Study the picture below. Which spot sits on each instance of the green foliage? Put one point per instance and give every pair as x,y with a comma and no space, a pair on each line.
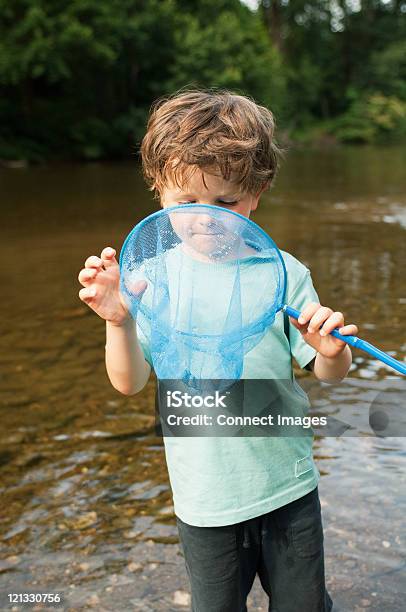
77,77
94,137
47,39
305,80
387,70
228,53
372,118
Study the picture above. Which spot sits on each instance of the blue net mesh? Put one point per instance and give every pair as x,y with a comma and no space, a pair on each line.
214,282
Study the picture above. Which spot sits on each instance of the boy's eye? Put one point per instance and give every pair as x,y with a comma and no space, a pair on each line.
219,201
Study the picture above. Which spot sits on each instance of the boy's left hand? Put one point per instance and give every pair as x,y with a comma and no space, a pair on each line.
314,316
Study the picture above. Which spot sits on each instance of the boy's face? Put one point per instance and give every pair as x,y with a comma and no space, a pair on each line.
201,235
218,192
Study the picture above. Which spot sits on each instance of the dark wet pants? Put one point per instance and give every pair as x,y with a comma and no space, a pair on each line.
285,548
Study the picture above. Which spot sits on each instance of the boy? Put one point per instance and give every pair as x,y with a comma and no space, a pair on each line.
243,505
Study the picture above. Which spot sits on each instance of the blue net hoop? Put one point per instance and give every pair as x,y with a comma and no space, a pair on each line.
214,283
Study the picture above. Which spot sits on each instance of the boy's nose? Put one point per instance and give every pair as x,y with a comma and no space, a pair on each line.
207,223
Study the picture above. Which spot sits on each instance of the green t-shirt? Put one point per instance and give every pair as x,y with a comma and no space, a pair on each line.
225,480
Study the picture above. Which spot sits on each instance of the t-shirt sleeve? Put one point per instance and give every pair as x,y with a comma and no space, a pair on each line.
302,294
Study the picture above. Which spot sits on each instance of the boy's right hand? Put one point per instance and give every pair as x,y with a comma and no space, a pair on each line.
101,281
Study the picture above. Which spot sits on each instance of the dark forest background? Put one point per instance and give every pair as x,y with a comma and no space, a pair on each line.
78,77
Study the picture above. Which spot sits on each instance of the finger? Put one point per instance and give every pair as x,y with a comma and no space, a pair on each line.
334,320
301,328
87,294
297,325
93,262
308,312
321,315
87,275
349,330
108,257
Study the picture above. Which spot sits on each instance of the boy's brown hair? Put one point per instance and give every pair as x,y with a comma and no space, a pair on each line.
209,129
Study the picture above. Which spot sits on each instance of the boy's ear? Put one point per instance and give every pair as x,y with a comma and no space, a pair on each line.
264,187
259,193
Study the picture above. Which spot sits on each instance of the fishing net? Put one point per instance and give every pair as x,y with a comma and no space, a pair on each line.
215,281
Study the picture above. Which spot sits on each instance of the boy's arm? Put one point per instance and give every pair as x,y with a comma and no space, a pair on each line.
328,368
126,365
333,369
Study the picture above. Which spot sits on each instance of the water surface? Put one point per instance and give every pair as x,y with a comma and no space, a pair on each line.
85,500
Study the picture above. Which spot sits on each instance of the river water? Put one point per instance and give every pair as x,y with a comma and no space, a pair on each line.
85,502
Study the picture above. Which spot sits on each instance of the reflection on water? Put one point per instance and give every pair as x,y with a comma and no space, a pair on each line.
85,501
